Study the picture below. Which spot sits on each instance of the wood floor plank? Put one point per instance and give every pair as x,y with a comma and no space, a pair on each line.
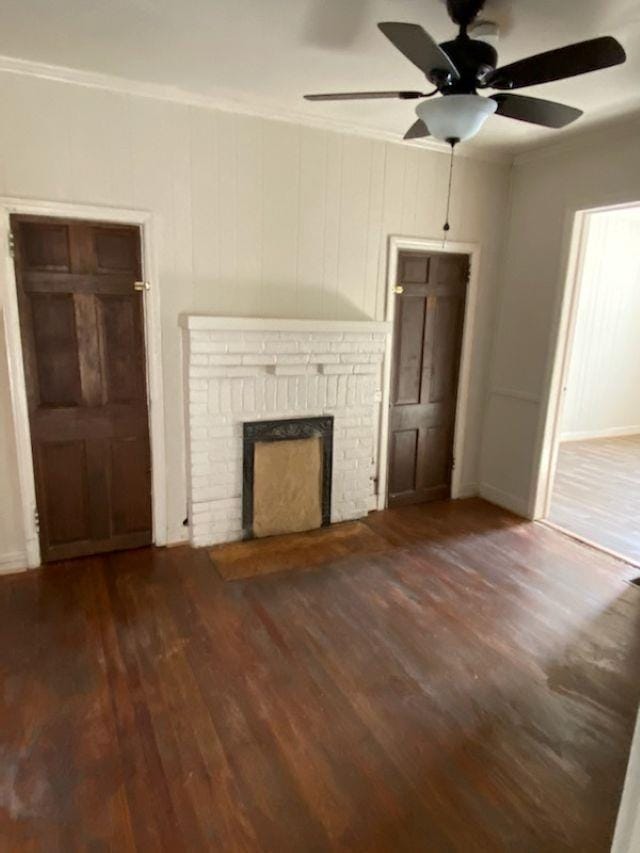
596,492
470,687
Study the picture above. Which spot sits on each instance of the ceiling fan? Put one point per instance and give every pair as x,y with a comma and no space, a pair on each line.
458,68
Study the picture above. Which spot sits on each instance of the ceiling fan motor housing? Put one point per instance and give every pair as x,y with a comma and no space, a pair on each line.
463,12
473,59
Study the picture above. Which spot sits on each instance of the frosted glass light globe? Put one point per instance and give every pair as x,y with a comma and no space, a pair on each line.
455,116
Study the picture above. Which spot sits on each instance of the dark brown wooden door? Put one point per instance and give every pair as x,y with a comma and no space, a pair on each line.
83,342
429,317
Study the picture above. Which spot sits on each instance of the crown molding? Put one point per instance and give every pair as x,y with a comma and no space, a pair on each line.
594,135
601,134
230,104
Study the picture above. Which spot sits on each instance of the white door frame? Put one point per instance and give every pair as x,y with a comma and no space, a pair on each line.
575,243
419,244
626,838
153,342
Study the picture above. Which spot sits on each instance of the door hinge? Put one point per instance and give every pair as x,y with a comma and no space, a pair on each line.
36,520
453,462
12,244
141,285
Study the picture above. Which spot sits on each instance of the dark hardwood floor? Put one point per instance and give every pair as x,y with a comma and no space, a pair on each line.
473,688
596,492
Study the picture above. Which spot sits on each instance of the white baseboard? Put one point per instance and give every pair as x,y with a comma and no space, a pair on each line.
505,499
610,432
177,536
13,561
467,490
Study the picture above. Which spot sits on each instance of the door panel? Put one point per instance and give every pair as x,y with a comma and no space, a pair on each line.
404,449
121,362
56,350
129,466
438,455
446,343
82,331
414,269
408,365
429,320
46,247
63,474
115,251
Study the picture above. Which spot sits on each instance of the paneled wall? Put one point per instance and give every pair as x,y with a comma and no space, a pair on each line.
256,217
603,385
603,168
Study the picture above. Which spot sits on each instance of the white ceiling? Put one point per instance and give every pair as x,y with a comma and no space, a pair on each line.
267,53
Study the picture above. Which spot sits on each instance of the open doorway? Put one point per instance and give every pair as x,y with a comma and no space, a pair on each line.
594,484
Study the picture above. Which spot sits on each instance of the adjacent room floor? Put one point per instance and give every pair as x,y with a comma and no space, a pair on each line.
596,492
471,688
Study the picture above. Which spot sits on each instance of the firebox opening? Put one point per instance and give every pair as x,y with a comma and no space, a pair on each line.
287,476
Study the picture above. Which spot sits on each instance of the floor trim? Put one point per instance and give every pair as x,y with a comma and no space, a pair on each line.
13,561
589,542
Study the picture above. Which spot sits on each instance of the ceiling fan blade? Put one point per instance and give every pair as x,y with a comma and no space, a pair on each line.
418,46
354,96
569,61
417,130
535,110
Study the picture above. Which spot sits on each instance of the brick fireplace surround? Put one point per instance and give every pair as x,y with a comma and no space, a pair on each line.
248,369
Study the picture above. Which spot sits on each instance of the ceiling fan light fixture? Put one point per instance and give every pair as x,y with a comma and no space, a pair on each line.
455,117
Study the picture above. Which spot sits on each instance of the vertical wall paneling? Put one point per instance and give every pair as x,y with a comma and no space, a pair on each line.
227,232
248,214
603,384
354,216
311,221
333,209
375,261
251,216
206,203
280,226
100,130
548,187
35,135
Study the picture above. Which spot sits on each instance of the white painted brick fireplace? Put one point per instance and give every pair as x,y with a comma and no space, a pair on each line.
249,369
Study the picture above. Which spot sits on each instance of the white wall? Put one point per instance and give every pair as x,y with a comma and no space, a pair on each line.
255,217
626,838
11,537
601,169
603,383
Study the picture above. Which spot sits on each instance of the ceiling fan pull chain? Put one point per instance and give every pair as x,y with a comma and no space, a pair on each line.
447,227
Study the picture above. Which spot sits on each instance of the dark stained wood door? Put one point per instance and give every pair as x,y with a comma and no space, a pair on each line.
83,343
429,316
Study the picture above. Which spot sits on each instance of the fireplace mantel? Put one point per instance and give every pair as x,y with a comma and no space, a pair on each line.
244,369
208,322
